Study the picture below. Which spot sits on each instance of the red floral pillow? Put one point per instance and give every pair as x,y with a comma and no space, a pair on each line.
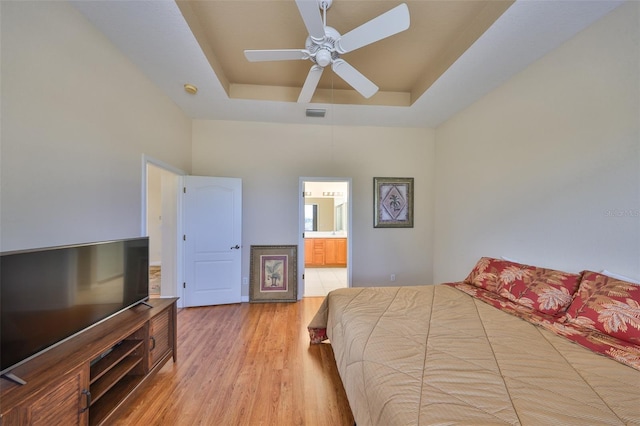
483,274
609,305
489,271
545,290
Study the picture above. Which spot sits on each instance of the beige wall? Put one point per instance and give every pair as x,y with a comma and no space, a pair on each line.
270,159
77,117
546,169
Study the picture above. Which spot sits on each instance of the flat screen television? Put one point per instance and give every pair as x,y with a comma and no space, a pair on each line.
51,294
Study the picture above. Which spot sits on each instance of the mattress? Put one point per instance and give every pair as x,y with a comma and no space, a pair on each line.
429,355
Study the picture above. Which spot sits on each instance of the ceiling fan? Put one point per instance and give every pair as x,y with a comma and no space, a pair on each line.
325,45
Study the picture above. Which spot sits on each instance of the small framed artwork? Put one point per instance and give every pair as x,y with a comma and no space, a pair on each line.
273,274
393,202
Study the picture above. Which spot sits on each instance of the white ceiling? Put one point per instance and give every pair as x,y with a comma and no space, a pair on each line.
157,38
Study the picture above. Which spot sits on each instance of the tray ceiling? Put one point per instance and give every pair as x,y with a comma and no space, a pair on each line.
454,52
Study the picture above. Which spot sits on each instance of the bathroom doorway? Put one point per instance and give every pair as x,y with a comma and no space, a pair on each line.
325,229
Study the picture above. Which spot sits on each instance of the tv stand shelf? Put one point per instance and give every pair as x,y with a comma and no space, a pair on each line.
104,364
87,379
113,376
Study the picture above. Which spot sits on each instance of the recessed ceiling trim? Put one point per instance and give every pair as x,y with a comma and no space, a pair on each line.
329,96
263,93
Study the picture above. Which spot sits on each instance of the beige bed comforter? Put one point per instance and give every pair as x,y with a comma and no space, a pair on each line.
435,355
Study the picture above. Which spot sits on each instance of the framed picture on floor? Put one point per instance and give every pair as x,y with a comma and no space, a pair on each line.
393,202
273,274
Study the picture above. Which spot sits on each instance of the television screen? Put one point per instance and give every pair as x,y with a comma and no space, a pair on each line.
48,295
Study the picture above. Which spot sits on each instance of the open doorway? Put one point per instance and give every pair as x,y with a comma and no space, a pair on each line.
160,223
325,227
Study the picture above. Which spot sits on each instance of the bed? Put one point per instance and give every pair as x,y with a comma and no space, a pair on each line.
512,344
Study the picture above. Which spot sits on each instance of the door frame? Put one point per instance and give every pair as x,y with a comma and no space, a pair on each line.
177,226
301,268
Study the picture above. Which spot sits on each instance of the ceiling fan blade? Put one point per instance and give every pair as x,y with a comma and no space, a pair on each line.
355,78
310,84
385,25
276,55
310,12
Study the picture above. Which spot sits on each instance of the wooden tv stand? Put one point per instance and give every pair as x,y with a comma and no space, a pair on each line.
88,378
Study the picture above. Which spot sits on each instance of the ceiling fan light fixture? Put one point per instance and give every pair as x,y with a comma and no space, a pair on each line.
323,57
316,112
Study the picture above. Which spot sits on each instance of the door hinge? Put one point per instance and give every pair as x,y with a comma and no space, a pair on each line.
184,237
303,276
184,285
184,189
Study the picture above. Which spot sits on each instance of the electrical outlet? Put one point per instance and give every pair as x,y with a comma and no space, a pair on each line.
392,277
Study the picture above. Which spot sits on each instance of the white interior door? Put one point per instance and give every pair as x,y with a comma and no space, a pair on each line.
212,240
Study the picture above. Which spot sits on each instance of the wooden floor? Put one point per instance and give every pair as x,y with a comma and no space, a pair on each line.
245,364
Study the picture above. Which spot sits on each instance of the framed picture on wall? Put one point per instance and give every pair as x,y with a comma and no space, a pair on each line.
393,202
273,274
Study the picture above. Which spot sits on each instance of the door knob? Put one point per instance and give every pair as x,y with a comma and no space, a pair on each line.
236,247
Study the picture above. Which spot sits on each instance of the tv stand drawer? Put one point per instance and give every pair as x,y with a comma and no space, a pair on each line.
160,338
63,402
